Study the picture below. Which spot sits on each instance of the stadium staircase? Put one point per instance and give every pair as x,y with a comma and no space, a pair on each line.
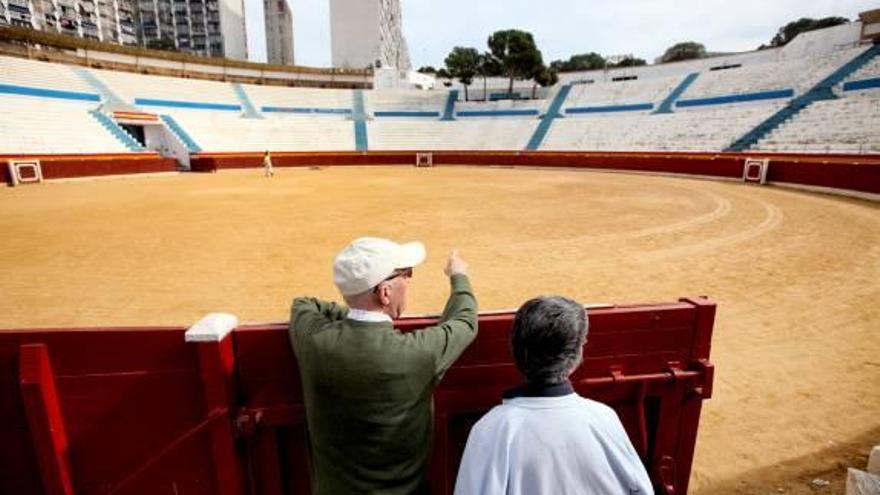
547,119
117,131
449,109
824,90
359,116
666,105
107,94
250,111
181,134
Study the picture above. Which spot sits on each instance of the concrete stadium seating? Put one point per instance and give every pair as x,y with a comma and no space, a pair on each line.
688,130
27,125
646,114
472,134
799,75
602,93
844,125
132,87
227,131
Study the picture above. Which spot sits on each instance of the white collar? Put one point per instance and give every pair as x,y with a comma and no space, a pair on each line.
369,316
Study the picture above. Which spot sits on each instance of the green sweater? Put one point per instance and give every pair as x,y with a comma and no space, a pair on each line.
368,391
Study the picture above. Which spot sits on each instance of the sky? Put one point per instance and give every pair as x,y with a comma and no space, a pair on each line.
643,28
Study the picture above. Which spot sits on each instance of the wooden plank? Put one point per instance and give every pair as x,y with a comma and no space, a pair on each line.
45,419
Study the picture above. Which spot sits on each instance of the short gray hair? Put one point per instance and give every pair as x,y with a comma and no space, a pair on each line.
548,337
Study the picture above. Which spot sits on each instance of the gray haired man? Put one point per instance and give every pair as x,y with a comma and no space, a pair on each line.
545,438
368,387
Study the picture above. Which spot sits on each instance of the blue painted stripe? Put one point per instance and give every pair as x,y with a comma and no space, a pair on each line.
187,104
739,98
405,113
12,89
118,132
359,117
334,111
872,83
611,108
505,96
547,120
449,108
666,104
497,113
245,100
181,133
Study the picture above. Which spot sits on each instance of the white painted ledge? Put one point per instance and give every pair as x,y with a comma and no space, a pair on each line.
214,327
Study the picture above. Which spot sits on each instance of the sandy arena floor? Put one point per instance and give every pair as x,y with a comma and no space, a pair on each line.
796,276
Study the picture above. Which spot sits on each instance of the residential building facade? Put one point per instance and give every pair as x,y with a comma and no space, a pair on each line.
367,33
279,32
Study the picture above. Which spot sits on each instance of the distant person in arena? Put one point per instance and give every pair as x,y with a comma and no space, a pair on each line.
368,387
545,438
268,170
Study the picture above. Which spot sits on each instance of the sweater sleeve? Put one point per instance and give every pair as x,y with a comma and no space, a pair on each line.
307,313
457,327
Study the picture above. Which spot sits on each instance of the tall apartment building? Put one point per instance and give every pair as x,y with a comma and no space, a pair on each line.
103,20
367,33
213,28
279,32
202,27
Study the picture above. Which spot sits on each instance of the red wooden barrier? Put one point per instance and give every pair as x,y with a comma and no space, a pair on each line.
139,411
70,166
860,173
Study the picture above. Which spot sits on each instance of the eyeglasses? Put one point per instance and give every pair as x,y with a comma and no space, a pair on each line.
401,272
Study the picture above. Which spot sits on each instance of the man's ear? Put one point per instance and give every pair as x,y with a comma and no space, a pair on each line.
385,294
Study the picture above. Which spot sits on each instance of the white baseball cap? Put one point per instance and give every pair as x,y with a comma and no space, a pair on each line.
368,261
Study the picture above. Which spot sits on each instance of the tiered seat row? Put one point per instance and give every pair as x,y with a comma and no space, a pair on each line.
798,75
136,87
472,134
30,73
652,90
27,126
844,125
221,131
703,130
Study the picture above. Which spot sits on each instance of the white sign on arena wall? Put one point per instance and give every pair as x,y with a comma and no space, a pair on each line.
755,170
424,159
25,171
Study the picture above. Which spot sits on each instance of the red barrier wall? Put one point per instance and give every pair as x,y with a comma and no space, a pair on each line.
143,412
860,173
70,166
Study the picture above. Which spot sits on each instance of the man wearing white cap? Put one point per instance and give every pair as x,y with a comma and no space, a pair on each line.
368,387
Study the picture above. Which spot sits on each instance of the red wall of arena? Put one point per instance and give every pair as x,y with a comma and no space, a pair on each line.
71,166
846,172
858,173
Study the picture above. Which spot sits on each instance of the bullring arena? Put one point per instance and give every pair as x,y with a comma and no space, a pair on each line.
726,205
793,274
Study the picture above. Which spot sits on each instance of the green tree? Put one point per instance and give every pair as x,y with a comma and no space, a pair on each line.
629,62
427,69
444,74
792,29
582,61
463,64
544,76
489,67
687,50
517,52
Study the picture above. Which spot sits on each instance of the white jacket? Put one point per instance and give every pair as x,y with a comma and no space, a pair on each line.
553,445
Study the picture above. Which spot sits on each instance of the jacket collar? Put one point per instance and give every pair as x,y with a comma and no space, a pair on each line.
540,390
